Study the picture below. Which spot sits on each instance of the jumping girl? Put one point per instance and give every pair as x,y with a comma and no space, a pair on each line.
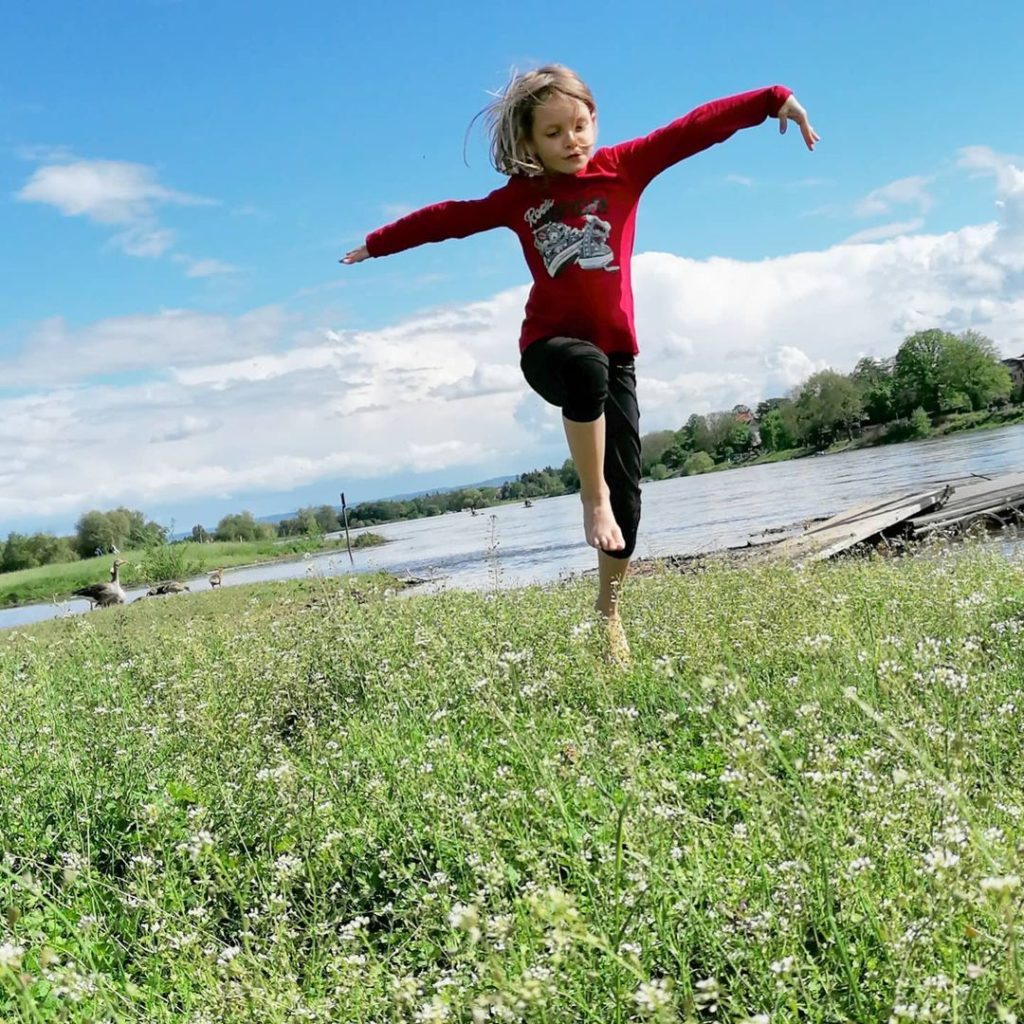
574,211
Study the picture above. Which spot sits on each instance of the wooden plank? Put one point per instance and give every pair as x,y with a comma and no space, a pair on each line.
877,507
988,510
842,531
978,502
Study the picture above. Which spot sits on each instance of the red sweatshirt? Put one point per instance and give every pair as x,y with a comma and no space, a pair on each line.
577,230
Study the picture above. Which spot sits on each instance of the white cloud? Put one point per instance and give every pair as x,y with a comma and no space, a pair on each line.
739,179
1009,177
117,194
182,427
791,366
883,231
55,355
897,193
210,268
144,239
220,405
105,191
486,379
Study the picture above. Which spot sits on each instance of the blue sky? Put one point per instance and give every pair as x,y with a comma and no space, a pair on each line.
179,180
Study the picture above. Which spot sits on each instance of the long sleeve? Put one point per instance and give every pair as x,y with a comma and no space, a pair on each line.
451,219
642,159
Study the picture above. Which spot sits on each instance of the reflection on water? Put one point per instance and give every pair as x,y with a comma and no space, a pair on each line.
513,546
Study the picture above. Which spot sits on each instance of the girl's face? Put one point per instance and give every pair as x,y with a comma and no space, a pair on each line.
563,134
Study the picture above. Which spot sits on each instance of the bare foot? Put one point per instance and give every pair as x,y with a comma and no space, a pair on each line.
600,528
617,651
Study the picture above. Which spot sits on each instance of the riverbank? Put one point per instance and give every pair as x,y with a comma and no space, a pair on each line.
146,566
446,807
875,437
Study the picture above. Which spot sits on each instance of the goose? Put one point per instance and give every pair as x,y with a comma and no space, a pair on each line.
172,587
217,577
104,594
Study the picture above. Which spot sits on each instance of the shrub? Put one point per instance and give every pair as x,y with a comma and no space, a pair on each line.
919,425
698,462
168,562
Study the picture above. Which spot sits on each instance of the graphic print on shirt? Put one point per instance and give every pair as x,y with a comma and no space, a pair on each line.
561,244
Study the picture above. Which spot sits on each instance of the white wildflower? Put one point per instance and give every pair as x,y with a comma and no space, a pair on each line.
652,997
10,955
466,918
1000,886
708,994
938,860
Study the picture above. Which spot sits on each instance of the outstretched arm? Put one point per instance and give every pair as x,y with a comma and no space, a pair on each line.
452,219
706,125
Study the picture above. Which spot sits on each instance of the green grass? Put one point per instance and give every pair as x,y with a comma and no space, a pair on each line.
150,565
321,801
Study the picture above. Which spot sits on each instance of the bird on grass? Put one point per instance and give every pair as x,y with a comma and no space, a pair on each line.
171,587
104,594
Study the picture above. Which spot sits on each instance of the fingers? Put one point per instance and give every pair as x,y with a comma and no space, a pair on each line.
355,256
809,134
783,122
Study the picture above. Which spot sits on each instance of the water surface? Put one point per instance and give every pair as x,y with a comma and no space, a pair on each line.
513,546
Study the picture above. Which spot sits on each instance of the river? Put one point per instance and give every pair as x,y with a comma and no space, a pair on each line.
511,545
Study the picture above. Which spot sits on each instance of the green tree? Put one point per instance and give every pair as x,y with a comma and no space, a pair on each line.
18,554
970,366
243,526
778,427
873,379
917,371
653,446
94,532
826,403
200,534
740,439
119,528
51,550
327,519
569,477
697,435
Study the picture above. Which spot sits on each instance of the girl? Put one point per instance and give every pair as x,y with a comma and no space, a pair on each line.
574,211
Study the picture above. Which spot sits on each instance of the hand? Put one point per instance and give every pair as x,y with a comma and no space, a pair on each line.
791,110
356,255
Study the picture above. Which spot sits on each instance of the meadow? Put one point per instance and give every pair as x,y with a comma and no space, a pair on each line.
160,562
326,800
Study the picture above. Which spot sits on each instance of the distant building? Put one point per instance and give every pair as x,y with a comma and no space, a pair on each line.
1016,367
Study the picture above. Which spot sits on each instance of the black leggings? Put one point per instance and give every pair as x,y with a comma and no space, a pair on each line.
584,382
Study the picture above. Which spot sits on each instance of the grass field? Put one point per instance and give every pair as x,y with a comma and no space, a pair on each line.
321,801
160,562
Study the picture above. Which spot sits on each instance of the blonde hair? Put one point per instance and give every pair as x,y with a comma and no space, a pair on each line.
509,117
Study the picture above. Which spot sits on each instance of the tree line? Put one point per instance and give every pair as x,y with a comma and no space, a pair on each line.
933,373
538,483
